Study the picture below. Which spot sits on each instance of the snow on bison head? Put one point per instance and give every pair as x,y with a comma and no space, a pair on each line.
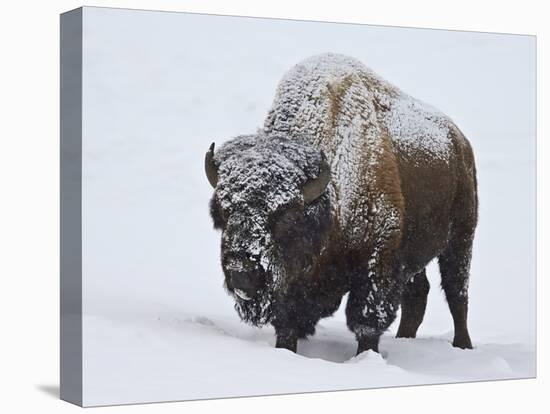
271,206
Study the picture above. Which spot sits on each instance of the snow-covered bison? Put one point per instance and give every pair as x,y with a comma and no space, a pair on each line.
350,186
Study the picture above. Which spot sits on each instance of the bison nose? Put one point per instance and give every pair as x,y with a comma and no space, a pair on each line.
245,284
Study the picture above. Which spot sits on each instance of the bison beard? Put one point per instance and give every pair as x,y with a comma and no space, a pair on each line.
351,186
258,310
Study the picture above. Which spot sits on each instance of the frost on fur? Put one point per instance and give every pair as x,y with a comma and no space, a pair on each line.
401,191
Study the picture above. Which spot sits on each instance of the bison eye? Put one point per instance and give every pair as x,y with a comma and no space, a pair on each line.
217,215
286,220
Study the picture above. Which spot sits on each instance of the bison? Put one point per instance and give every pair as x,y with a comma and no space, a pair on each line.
351,186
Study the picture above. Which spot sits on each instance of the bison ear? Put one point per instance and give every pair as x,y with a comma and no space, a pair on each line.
314,188
210,167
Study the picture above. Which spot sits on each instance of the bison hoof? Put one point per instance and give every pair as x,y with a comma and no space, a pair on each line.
463,343
287,343
405,333
367,344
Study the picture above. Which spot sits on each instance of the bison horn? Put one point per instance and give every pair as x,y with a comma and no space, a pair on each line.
314,188
210,167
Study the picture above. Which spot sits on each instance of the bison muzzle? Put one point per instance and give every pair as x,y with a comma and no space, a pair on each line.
351,186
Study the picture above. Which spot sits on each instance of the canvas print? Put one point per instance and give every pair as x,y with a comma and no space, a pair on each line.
258,206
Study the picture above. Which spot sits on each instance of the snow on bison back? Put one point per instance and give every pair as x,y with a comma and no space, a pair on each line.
351,186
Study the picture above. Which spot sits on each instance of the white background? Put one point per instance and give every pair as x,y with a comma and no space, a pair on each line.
30,174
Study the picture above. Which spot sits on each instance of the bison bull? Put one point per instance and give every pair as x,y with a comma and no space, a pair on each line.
351,186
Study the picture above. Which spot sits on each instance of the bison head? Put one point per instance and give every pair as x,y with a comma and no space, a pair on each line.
271,205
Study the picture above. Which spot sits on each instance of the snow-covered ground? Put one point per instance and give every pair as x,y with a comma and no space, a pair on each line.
159,87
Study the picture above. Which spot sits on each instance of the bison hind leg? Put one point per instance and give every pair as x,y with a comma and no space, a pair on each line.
454,266
413,305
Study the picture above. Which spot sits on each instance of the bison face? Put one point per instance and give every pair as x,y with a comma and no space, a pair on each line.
271,205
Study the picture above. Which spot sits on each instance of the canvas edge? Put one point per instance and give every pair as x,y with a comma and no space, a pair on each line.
71,389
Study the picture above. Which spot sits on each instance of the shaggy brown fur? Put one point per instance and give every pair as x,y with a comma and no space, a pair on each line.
402,192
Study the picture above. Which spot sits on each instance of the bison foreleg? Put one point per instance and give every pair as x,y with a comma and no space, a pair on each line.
287,339
371,308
